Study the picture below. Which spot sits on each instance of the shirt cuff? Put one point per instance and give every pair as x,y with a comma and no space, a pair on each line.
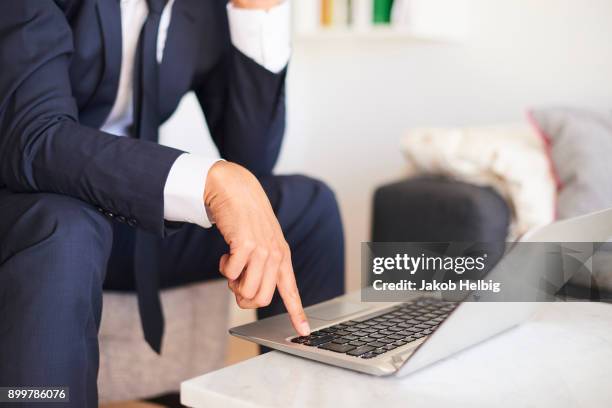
184,190
262,35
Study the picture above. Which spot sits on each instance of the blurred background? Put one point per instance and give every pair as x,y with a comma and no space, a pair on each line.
382,93
353,91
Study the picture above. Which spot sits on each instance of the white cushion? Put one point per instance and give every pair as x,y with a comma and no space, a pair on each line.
511,159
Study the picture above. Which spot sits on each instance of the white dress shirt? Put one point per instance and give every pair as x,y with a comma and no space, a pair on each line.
261,35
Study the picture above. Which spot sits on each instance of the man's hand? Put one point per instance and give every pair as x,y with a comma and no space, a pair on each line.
259,259
256,4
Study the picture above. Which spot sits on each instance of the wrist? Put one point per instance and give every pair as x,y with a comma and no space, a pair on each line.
224,176
213,178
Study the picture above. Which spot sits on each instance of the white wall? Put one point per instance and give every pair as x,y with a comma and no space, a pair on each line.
350,101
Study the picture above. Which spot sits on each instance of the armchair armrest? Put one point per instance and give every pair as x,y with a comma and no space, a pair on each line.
431,209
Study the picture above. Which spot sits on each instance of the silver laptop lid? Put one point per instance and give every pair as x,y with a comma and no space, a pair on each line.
593,227
472,322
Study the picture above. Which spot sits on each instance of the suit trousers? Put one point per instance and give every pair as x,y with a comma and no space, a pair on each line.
58,254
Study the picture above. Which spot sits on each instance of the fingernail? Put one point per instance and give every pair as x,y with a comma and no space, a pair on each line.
304,328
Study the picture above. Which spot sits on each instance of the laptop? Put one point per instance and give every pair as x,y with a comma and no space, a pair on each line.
400,338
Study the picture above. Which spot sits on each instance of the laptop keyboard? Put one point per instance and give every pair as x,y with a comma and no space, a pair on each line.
383,332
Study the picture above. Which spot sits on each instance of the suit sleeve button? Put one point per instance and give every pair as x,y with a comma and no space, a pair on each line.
120,218
132,222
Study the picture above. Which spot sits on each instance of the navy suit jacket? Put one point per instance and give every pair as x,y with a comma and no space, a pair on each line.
59,72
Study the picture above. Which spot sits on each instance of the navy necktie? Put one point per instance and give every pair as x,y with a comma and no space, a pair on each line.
146,123
146,76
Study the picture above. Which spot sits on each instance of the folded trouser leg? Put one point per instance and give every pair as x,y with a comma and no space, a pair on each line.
53,255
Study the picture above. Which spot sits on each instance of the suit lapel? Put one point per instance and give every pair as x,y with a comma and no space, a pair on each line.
109,15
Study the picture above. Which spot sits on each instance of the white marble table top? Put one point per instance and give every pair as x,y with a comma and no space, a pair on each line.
560,358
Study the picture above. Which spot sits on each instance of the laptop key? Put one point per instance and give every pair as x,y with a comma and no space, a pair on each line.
351,337
340,340
395,337
316,341
390,347
386,341
379,351
328,330
300,340
399,343
367,339
369,355
376,344
376,335
369,331
357,343
338,348
360,350
341,333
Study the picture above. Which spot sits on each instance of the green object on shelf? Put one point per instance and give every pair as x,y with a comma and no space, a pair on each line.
382,11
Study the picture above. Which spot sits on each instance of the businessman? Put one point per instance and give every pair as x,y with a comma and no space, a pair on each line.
90,200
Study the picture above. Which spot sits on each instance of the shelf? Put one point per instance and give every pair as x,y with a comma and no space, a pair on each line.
370,33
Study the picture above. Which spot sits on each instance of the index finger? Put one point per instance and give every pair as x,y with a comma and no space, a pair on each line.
287,288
